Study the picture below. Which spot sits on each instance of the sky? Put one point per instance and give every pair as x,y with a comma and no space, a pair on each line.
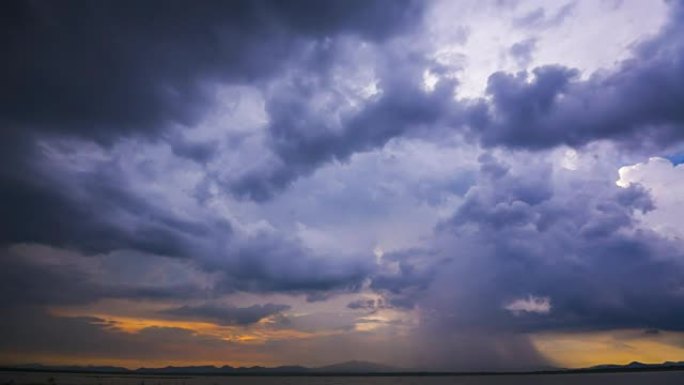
444,185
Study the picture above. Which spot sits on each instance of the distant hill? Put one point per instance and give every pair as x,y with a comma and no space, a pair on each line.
204,369
636,365
221,370
358,367
345,368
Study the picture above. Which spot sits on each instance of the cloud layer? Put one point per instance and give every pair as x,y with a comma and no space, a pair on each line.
250,177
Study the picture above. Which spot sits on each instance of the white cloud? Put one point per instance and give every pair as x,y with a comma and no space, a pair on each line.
531,304
474,37
570,160
665,182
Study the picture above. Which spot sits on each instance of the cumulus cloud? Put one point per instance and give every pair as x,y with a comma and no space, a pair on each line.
99,71
636,103
157,75
530,304
103,169
535,228
313,121
534,239
663,180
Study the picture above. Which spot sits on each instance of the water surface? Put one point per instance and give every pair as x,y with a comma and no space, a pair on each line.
644,378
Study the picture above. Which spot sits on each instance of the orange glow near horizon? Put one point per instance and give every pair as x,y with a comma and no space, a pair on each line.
256,333
132,363
570,350
134,325
230,354
579,350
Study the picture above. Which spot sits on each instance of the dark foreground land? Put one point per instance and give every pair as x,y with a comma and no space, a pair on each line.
663,377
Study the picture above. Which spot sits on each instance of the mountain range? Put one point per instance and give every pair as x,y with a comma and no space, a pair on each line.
350,367
345,367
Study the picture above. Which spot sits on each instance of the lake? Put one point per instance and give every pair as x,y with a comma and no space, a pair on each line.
45,378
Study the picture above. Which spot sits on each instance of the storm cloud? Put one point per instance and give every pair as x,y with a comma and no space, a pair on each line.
271,180
83,76
637,103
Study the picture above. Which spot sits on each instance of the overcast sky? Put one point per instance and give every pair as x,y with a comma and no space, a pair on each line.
456,184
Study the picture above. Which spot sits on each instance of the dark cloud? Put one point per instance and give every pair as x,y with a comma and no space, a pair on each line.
304,135
369,304
30,330
267,263
100,70
200,152
518,103
638,103
108,70
86,214
416,269
23,282
365,304
522,51
43,276
227,314
95,212
79,74
272,263
581,247
529,233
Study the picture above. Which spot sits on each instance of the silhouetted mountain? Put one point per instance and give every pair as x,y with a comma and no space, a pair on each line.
635,365
357,367
204,369
350,367
346,367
